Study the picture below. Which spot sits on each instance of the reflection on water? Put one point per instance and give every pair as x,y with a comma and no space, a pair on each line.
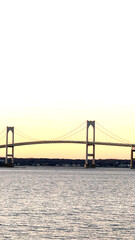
67,203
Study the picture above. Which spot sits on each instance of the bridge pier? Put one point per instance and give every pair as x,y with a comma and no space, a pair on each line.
87,160
11,154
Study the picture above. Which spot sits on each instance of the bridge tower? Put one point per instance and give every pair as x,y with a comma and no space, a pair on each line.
11,154
132,157
87,164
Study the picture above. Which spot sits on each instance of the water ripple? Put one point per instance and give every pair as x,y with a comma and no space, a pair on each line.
67,203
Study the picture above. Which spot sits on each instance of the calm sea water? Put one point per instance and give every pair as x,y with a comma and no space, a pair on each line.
67,203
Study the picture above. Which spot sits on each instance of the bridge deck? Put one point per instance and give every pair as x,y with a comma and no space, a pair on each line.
67,141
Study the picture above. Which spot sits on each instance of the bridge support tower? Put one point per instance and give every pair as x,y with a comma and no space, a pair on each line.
132,158
10,155
87,161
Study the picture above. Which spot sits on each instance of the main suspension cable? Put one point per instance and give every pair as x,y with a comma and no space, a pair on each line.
114,136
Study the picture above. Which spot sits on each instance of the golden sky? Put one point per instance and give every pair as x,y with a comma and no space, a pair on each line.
63,62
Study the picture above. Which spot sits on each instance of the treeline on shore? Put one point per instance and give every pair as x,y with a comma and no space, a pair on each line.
67,162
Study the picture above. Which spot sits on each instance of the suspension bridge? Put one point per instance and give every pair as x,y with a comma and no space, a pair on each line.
89,140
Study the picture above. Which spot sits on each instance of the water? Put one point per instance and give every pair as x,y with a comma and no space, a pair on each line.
67,203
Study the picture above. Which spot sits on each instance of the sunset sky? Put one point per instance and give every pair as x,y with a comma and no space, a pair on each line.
63,62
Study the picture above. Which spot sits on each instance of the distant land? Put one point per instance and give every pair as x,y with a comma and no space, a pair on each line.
67,162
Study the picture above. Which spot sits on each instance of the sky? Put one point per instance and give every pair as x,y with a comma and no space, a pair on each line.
65,62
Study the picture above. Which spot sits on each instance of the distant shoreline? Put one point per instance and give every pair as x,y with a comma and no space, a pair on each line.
67,162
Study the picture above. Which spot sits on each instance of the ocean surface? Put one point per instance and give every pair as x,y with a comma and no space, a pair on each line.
67,203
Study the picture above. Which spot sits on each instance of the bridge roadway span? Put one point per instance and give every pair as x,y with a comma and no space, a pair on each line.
67,141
